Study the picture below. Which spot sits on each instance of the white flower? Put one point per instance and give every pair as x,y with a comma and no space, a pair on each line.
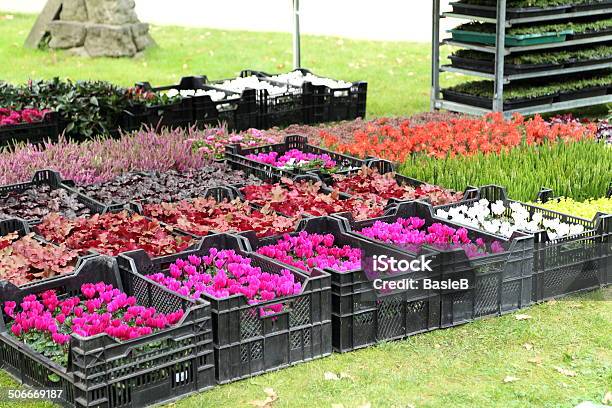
576,229
172,93
483,202
551,223
551,235
537,218
563,229
498,207
442,214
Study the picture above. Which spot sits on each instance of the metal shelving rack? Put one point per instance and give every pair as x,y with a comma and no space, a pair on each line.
500,52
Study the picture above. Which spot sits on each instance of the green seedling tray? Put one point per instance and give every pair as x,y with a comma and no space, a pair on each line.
511,40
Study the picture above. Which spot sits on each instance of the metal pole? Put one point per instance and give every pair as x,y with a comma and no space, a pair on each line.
435,55
297,52
500,55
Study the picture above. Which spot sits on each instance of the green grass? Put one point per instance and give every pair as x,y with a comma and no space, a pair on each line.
398,73
459,367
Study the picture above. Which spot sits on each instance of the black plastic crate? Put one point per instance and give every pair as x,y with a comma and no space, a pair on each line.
104,372
499,283
54,180
565,265
172,115
35,133
361,315
238,111
325,104
237,153
246,344
489,66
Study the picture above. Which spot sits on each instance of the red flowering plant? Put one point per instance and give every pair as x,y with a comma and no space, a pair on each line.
9,117
457,137
113,233
294,198
204,215
369,182
46,323
24,260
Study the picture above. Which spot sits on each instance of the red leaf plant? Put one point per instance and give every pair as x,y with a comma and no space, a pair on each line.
294,198
369,181
113,233
203,215
24,260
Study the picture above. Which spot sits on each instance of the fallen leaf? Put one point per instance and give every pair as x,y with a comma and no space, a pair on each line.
271,396
366,405
607,399
522,317
552,301
528,346
565,371
535,360
329,376
437,346
345,375
337,406
510,378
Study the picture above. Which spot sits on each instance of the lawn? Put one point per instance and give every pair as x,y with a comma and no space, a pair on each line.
398,73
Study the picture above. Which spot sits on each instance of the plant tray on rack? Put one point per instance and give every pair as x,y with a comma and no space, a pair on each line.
590,34
511,13
487,103
489,66
582,93
511,40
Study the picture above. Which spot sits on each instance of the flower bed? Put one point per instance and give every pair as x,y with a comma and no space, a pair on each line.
203,216
457,137
167,187
102,160
65,332
294,198
369,181
265,327
113,233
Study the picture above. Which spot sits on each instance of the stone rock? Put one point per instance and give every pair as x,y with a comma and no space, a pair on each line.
142,39
78,52
73,10
113,12
109,41
67,34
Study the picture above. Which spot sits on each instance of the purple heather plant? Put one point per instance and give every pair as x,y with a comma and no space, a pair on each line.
101,160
